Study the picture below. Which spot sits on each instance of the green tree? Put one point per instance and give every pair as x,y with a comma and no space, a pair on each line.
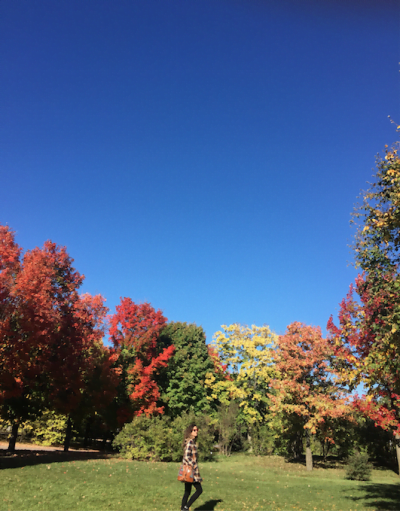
182,381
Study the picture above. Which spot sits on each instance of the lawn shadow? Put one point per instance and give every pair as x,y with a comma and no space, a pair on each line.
28,457
210,505
381,496
336,462
318,461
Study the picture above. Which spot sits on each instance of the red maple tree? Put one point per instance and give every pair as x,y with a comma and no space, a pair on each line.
134,332
46,330
10,265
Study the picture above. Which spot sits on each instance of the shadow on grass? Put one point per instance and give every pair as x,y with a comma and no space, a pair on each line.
28,457
383,497
319,461
335,462
210,505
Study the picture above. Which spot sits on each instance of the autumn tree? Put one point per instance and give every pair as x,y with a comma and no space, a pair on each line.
182,381
377,218
367,339
366,346
134,333
46,329
100,383
307,384
10,266
91,366
247,353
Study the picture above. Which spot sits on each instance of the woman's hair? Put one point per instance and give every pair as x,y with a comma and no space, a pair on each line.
187,434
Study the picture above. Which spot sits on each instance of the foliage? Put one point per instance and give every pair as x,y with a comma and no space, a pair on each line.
367,340
46,330
219,368
288,433
366,347
377,239
248,354
160,438
101,380
144,439
358,467
307,380
134,332
346,435
181,382
227,426
262,440
48,429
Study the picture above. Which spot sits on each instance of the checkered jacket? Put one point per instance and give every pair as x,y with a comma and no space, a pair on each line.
190,457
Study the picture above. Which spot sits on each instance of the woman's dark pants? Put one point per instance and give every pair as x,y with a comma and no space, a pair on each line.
196,494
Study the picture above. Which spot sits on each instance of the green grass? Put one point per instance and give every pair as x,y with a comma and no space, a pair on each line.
237,483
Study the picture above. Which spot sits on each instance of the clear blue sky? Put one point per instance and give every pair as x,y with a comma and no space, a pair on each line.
201,155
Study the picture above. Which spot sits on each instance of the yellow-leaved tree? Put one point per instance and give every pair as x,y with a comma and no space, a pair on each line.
248,354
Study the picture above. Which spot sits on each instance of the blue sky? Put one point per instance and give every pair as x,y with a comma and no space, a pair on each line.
201,155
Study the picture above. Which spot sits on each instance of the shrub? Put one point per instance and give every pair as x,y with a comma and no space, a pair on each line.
48,429
160,439
136,439
358,467
227,427
262,440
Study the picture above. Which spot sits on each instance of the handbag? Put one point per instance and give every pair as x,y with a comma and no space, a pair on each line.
185,474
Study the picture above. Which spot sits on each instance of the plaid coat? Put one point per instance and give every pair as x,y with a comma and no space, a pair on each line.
190,458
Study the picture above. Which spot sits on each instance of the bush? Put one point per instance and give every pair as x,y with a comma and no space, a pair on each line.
227,426
48,429
141,439
160,439
262,440
358,467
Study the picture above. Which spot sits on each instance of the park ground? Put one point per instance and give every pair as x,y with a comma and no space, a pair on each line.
47,479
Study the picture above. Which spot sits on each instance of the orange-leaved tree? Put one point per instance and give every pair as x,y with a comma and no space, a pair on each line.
307,385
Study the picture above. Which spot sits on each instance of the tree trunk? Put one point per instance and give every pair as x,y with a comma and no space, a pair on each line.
309,460
87,433
397,441
13,437
68,433
250,442
325,449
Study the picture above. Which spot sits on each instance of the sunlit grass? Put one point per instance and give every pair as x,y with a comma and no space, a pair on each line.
237,483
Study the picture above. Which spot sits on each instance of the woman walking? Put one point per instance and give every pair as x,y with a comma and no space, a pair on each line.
190,458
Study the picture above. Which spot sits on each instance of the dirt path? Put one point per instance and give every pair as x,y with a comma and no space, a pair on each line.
31,454
33,447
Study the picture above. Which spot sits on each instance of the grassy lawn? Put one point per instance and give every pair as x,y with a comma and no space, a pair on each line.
49,482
